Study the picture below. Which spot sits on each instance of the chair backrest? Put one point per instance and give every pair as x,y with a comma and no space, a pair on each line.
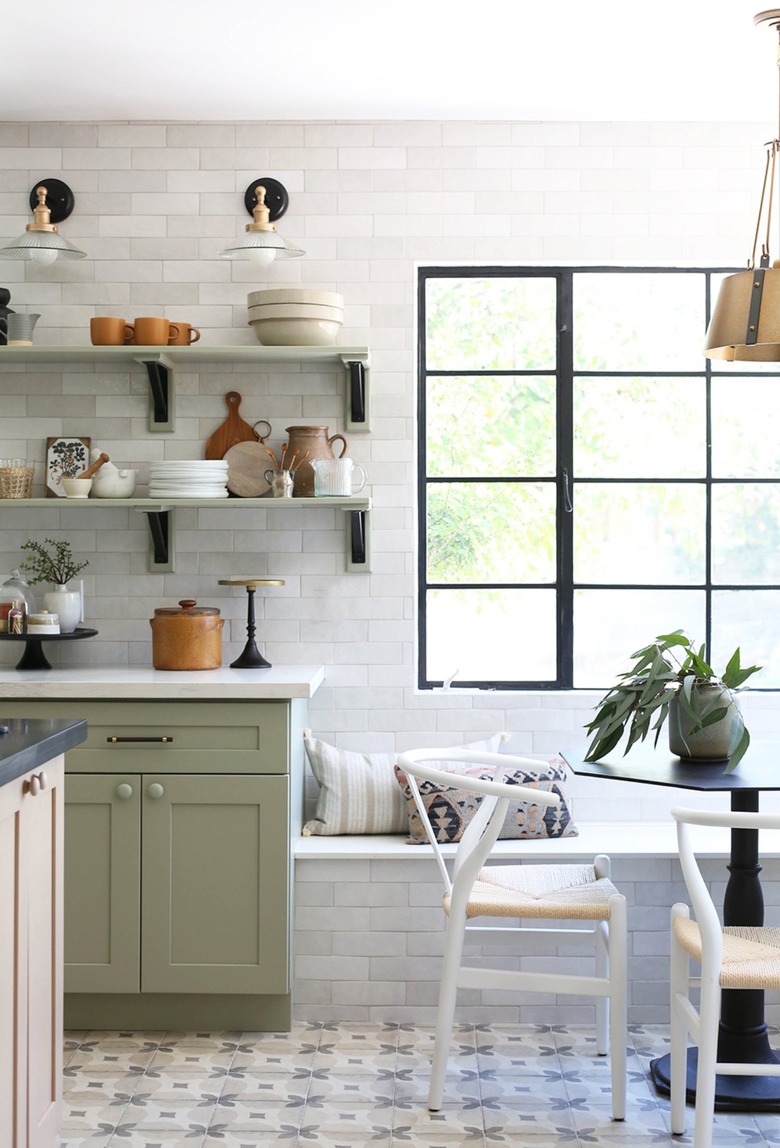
704,909
482,831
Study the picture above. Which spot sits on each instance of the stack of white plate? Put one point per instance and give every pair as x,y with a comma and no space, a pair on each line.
190,478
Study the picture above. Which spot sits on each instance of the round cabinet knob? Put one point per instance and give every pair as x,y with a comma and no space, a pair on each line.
124,791
155,791
33,786
43,780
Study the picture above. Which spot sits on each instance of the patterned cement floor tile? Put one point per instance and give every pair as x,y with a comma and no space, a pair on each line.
355,1085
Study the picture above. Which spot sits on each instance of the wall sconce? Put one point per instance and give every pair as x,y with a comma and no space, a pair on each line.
266,200
51,201
745,323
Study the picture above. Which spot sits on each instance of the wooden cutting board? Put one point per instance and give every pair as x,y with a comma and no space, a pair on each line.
233,430
247,462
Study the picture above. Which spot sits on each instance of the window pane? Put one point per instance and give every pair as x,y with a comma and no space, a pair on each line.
490,426
749,619
639,533
610,625
746,533
745,431
639,428
491,532
499,323
649,322
491,635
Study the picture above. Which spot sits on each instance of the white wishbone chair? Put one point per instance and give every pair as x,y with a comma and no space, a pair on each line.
731,957
524,892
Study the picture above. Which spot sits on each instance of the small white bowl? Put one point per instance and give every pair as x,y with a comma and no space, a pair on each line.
77,487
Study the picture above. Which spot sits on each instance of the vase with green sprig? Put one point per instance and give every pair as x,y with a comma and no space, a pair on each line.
53,561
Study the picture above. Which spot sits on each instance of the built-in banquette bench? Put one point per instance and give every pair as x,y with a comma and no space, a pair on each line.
369,923
369,926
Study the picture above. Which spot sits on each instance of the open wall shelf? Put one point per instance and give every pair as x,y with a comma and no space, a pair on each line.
160,515
160,364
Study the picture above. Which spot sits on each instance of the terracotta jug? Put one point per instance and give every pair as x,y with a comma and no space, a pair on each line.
313,442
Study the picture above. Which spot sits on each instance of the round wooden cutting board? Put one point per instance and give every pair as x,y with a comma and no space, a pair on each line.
246,463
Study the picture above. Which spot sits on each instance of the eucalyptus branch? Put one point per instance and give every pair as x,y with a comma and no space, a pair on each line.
57,566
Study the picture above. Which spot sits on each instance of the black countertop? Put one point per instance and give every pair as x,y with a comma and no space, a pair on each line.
31,742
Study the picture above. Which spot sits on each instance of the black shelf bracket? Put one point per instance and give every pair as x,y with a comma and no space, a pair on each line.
357,406
358,556
161,555
160,374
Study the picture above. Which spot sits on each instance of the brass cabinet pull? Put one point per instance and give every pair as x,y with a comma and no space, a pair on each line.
114,740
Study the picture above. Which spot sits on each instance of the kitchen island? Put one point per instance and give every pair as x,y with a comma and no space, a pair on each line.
31,811
181,808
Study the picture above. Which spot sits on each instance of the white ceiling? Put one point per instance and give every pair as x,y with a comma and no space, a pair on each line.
212,60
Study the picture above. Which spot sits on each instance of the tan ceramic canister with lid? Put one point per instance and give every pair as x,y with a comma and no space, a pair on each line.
310,443
187,637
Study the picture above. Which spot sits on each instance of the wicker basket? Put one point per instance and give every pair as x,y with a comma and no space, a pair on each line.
16,481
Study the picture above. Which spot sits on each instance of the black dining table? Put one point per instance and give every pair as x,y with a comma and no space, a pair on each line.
743,1032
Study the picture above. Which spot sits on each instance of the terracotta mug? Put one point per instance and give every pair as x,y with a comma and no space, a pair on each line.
151,331
184,336
107,331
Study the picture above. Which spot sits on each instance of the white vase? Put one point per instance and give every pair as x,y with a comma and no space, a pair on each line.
67,604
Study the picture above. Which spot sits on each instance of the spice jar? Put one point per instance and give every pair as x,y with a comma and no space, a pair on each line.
17,617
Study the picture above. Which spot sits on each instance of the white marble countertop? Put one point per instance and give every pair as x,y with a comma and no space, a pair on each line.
139,682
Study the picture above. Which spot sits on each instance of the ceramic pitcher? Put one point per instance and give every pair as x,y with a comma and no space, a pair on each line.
311,443
20,328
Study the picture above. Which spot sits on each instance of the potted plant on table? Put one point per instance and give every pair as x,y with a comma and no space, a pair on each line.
57,566
671,679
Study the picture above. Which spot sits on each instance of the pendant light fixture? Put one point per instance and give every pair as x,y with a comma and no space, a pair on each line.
266,200
51,201
745,323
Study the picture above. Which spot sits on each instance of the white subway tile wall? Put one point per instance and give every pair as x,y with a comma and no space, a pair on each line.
155,203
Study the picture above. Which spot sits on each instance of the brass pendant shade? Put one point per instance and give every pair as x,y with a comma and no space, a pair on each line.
745,322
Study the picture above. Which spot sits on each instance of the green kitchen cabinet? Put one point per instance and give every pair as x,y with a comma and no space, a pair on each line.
178,826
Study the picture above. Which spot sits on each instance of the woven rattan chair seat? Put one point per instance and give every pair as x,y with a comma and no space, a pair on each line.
562,892
751,956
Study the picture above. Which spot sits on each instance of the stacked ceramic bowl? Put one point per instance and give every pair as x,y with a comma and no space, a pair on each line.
295,316
191,478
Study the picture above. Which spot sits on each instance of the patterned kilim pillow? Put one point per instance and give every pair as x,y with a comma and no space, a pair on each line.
450,810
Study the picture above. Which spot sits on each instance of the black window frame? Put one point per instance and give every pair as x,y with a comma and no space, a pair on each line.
564,374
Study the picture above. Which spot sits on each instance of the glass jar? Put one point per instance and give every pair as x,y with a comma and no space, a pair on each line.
12,590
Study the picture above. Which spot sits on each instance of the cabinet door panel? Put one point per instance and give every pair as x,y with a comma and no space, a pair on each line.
43,829
215,884
102,883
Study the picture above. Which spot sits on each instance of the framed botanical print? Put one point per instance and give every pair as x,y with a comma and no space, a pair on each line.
66,457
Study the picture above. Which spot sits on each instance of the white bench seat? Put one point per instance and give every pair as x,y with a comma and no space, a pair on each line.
647,839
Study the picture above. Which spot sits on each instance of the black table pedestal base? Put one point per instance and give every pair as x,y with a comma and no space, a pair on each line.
732,1093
